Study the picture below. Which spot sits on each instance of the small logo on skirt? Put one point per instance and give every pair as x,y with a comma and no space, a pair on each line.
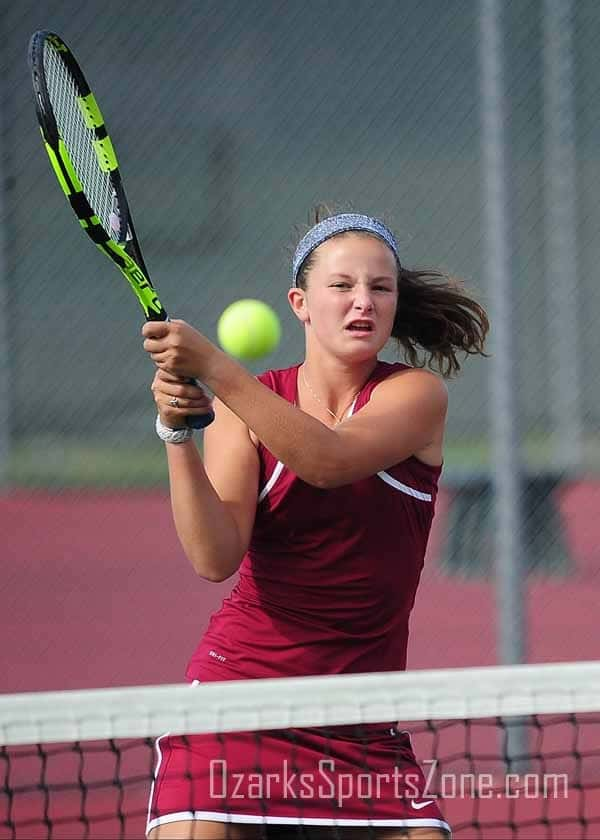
217,656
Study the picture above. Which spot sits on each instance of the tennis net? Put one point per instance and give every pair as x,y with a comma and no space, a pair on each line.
506,751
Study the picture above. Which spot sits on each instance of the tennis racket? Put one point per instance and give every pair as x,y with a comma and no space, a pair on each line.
84,162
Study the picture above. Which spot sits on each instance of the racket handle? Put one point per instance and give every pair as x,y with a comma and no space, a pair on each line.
199,421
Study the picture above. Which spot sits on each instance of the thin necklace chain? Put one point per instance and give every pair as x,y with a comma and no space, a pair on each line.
320,401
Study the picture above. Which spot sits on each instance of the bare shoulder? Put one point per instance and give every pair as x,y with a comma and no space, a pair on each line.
415,401
412,384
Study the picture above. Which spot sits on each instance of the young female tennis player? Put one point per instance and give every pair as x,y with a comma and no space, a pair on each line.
318,484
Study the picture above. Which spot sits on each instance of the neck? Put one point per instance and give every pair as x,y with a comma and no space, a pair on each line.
333,384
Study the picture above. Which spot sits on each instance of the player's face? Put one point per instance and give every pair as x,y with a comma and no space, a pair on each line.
352,294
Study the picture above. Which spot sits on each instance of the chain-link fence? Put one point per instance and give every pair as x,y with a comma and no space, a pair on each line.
231,119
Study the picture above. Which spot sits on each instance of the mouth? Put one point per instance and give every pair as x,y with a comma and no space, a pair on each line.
361,326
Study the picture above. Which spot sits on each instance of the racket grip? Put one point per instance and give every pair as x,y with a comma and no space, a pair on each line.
199,421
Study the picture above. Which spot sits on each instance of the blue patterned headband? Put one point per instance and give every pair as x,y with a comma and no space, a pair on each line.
340,224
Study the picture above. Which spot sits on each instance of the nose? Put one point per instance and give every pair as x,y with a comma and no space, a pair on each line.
362,299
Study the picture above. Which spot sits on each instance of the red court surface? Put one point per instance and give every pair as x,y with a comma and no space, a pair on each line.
95,591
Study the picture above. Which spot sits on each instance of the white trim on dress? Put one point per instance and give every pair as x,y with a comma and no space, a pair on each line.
384,476
221,816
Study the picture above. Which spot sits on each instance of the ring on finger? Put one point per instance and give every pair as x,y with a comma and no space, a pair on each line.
174,402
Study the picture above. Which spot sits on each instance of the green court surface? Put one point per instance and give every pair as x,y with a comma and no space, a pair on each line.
71,463
67,462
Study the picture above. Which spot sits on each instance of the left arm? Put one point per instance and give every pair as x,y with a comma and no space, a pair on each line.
401,418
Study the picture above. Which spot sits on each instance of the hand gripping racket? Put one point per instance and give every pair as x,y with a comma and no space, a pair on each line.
84,161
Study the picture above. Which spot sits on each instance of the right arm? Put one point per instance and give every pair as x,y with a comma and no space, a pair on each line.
213,501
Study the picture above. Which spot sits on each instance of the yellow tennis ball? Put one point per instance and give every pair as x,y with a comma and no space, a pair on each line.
248,329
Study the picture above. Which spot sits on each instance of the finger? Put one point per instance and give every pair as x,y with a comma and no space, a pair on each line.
188,390
167,377
155,329
184,405
160,358
182,380
154,345
195,395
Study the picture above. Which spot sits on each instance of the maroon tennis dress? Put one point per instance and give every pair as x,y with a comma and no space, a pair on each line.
326,587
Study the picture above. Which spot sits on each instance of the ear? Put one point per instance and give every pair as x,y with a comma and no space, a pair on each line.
297,301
